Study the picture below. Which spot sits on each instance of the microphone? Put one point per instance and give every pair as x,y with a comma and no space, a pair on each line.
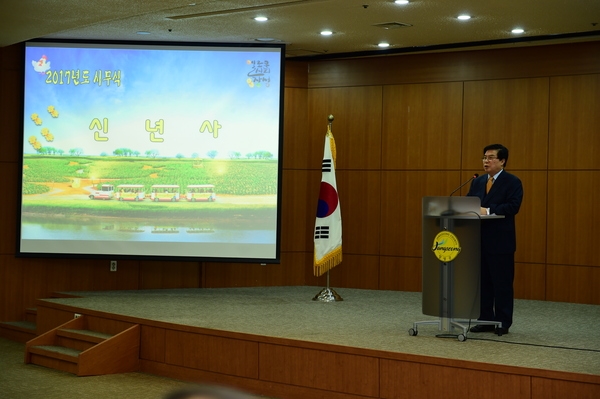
450,211
475,176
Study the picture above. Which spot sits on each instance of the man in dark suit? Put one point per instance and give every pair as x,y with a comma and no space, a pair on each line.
501,193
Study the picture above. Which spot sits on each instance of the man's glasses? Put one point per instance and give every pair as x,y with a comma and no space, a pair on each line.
490,158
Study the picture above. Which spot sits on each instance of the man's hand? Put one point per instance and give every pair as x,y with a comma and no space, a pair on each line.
483,211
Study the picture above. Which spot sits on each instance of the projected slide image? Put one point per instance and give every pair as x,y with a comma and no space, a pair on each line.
128,149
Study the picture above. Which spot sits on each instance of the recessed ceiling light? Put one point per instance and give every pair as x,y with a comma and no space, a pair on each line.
142,32
326,33
383,45
261,19
401,2
517,30
464,17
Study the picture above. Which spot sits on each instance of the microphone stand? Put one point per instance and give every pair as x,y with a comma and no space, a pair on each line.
450,211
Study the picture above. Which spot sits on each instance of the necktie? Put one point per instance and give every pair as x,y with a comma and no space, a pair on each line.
488,186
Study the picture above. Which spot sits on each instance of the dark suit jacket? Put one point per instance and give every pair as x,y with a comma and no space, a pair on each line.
498,236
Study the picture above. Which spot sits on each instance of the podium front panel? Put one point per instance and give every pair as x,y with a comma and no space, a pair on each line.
452,288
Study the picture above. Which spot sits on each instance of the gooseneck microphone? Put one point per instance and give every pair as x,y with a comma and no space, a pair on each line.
475,176
450,211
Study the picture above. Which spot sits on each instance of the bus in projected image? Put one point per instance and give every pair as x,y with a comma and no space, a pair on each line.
200,192
130,192
105,192
164,192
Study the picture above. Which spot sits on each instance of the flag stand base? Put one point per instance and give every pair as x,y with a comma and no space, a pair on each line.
327,295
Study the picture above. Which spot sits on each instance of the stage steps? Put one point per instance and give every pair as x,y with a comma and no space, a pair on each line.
31,315
18,331
74,348
22,330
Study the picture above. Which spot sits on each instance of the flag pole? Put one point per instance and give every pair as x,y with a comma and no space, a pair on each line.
328,294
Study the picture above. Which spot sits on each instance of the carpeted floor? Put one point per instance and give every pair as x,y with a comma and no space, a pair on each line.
26,381
545,335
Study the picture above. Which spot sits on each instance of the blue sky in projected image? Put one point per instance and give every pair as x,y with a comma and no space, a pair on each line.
184,88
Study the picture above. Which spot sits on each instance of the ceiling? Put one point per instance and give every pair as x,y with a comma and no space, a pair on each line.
357,25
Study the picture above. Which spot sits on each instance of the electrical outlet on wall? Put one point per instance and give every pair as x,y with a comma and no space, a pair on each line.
113,265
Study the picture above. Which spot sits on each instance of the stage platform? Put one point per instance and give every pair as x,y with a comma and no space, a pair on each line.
277,341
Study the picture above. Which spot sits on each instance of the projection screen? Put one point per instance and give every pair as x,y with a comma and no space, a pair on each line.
162,150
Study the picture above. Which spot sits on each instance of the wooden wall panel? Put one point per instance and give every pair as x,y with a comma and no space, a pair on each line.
291,271
89,275
12,305
360,203
401,274
125,278
10,103
574,122
511,112
507,63
11,57
128,275
577,284
540,101
573,215
152,343
33,280
338,372
50,318
356,126
415,380
356,271
106,325
42,277
9,208
530,281
155,275
212,353
58,274
543,388
152,274
422,126
531,220
80,274
296,74
296,140
300,198
401,207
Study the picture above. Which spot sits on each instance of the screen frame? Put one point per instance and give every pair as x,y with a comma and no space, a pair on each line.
276,259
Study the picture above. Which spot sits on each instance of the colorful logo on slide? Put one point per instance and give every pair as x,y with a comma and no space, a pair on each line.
446,246
328,200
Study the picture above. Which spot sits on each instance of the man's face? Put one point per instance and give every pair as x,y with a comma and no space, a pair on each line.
491,163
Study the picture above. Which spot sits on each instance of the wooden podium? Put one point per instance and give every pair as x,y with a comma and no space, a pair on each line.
451,256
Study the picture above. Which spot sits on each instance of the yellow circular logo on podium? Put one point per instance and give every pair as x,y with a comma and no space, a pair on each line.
446,246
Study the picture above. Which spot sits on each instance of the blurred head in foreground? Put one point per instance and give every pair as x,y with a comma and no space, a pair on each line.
207,392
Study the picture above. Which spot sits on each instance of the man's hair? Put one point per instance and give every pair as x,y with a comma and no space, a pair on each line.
208,392
502,152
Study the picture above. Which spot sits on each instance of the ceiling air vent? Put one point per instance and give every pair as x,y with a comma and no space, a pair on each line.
392,25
